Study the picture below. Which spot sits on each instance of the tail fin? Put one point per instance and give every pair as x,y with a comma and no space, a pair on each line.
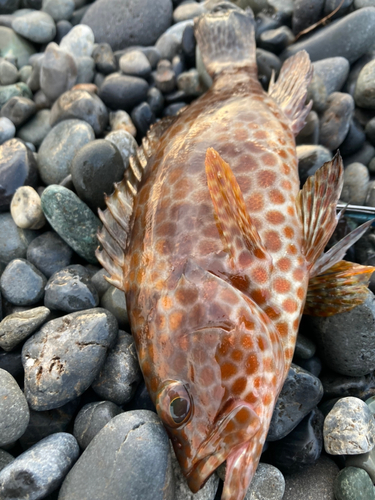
226,38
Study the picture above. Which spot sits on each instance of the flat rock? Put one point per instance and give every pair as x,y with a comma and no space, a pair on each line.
133,445
17,327
8,73
14,412
49,253
40,470
62,359
37,26
14,240
22,284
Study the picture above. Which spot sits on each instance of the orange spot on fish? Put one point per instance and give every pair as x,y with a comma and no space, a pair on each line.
251,398
166,302
281,285
292,249
290,305
272,313
228,370
275,217
269,160
255,203
286,185
289,352
260,135
251,364
286,168
239,385
237,355
283,264
266,178
246,342
225,346
272,241
259,274
298,274
242,416
289,232
261,344
268,399
175,320
276,197
282,329
291,211
301,293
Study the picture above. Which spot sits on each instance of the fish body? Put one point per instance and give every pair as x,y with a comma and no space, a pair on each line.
217,255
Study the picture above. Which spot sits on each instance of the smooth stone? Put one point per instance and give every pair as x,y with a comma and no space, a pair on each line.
123,23
312,483
33,81
364,155
305,348
17,168
45,423
266,63
18,109
189,82
79,42
123,92
39,470
335,122
133,445
58,370
26,209
70,290
7,129
310,159
78,15
300,394
81,105
276,40
24,73
342,5
120,120
155,100
370,202
91,419
99,282
370,131
59,10
14,412
58,71
309,134
317,92
268,483
346,340
356,180
104,58
5,459
118,379
49,253
17,327
13,45
12,363
188,10
135,63
358,28
38,27
312,365
354,139
114,301
349,428
9,6
365,461
141,399
85,70
125,143
78,226
16,89
36,129
14,240
170,42
143,118
95,168
173,109
333,71
364,93
359,4
306,13
8,73
353,483
59,147
165,78
22,284
62,28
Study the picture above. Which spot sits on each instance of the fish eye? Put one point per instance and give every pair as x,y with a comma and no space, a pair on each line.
174,404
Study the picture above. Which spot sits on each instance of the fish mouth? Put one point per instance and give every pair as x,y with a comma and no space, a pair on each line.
235,428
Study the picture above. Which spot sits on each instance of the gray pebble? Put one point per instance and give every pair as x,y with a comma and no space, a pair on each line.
17,327
370,197
135,63
22,284
356,179
8,73
59,9
36,129
364,155
40,470
364,93
49,253
18,110
26,208
309,135
17,89
120,120
14,412
37,26
169,43
306,13
91,419
155,100
125,143
100,283
14,240
189,82
58,71
349,428
24,73
114,301
14,45
354,139
5,459
123,92
266,63
86,69
34,79
276,40
188,10
104,58
7,130
331,5
70,290
133,445
79,41
310,159
333,71
305,348
165,78
317,92
57,369
59,147
268,484
335,122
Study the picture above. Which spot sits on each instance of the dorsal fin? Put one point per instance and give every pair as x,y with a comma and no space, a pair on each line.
114,236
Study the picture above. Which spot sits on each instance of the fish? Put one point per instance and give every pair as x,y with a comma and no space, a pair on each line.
219,253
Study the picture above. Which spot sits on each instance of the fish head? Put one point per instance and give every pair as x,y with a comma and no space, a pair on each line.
211,375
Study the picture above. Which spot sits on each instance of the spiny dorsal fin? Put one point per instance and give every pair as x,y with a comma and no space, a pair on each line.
316,203
290,90
114,236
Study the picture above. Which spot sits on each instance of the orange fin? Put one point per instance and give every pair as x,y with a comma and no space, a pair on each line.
240,236
317,204
338,289
290,90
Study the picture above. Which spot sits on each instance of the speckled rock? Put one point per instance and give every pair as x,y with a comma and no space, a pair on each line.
58,71
352,483
49,253
104,58
120,120
26,208
91,419
133,445
5,459
14,412
306,13
36,129
17,327
22,284
114,301
40,470
58,370
14,240
335,122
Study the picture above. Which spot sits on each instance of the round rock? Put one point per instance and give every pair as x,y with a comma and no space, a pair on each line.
58,71
49,253
79,42
122,91
133,445
17,327
104,58
14,240
125,143
22,284
40,470
59,148
59,9
7,129
36,129
26,208
364,94
5,459
333,71
356,181
351,483
120,120
18,110
13,45
63,358
14,412
114,301
335,122
37,26
135,63
8,73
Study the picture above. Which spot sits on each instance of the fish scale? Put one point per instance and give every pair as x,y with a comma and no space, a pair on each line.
214,245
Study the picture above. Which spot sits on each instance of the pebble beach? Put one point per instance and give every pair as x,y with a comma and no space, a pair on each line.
81,83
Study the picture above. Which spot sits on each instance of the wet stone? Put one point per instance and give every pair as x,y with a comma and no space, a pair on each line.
17,327
346,340
14,240
356,180
36,129
333,71
18,110
354,140
188,10
26,208
370,131
49,253
8,73
91,419
120,374
7,130
104,58
21,283
40,470
173,109
125,143
317,92
351,483
335,122
310,159
95,168
11,362
266,63
305,348
133,445
17,168
276,40
59,147
37,26
17,89
331,5
5,459
135,63
312,365
122,91
143,118
141,399
59,9
58,71
70,290
58,370
349,428
78,227
300,394
14,412
114,301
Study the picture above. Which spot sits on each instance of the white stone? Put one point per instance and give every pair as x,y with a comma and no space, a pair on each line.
79,41
26,208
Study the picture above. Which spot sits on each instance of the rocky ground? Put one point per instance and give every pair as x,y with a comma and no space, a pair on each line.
80,84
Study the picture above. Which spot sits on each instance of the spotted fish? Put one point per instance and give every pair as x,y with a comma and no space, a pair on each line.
215,245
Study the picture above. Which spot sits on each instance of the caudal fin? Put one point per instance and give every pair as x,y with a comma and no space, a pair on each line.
226,38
